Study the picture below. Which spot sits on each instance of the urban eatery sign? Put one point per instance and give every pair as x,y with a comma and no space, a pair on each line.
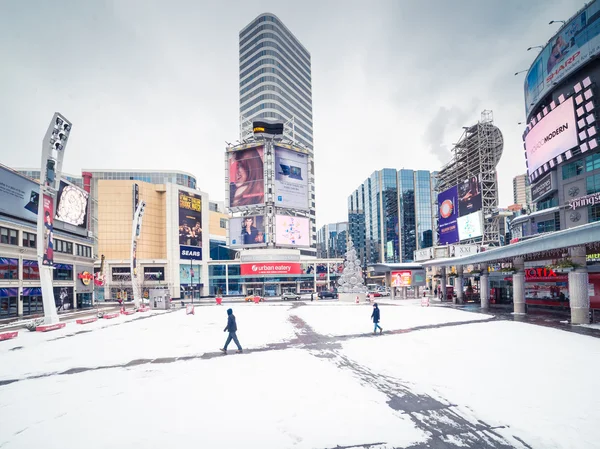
587,200
259,269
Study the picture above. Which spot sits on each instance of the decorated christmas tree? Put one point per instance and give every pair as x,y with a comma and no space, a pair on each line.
351,280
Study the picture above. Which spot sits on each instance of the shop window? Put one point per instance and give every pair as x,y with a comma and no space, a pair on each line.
30,270
63,272
9,236
32,301
63,298
154,273
29,239
121,274
84,300
8,302
9,269
545,226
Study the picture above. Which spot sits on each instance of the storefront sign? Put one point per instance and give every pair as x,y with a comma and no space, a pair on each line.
423,254
543,187
587,200
463,250
543,274
190,252
259,269
86,277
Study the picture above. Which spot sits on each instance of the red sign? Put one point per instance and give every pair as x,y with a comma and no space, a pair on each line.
85,277
259,269
543,274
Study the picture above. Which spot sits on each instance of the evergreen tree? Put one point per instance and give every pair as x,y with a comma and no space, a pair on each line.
351,280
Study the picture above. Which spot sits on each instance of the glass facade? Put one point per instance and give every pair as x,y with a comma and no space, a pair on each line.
331,240
392,214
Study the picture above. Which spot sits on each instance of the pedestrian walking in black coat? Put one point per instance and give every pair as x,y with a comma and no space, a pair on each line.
375,316
232,329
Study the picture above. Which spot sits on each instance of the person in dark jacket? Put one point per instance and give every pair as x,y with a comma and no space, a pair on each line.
232,329
375,317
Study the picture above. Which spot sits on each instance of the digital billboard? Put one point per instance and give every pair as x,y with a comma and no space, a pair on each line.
401,278
246,177
190,220
247,231
470,226
292,231
576,43
48,205
469,196
72,205
19,196
291,178
551,136
448,213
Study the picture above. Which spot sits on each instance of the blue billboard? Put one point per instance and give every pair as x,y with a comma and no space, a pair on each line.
576,43
448,215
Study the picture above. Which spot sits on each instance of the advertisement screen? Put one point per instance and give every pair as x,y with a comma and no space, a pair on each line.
469,196
246,177
19,196
247,231
470,226
576,44
448,213
259,269
72,205
401,278
292,231
190,219
551,136
291,178
48,204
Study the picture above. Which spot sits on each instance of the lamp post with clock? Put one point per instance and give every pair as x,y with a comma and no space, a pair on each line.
53,150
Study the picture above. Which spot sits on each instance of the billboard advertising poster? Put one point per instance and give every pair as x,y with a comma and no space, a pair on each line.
543,187
72,205
469,196
247,231
48,205
470,226
190,219
291,178
19,196
553,135
259,269
189,274
292,231
448,213
576,43
401,278
246,177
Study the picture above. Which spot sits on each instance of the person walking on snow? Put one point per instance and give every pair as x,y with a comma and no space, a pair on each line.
375,317
232,329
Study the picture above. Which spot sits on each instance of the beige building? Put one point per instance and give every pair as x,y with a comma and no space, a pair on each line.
522,191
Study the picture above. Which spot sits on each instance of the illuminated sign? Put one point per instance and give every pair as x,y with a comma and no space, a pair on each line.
587,200
85,277
259,129
254,269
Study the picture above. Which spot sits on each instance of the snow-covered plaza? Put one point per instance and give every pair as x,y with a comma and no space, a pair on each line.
312,375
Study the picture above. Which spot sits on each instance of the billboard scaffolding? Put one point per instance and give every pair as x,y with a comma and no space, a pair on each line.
477,154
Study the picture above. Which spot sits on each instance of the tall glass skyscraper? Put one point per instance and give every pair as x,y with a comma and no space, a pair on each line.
276,83
392,214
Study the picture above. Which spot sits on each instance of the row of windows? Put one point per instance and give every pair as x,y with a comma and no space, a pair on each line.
83,250
254,44
284,35
287,94
9,270
61,246
9,236
152,178
299,115
593,184
301,85
302,72
280,76
576,168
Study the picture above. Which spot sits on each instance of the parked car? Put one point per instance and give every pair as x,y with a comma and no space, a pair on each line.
327,294
290,296
375,294
384,292
250,298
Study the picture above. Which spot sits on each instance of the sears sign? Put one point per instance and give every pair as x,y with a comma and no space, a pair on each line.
190,252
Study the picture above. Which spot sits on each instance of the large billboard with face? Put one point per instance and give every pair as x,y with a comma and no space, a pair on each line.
291,178
469,196
292,231
246,177
448,213
190,220
247,231
576,43
470,226
551,136
19,196
72,205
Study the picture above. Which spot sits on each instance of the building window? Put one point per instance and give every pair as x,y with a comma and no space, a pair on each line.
593,184
121,274
84,250
592,162
30,270
63,272
8,302
84,300
9,269
9,236
60,246
223,223
572,169
545,226
154,273
593,213
32,301
29,240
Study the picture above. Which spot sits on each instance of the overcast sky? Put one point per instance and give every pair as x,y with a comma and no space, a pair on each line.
154,84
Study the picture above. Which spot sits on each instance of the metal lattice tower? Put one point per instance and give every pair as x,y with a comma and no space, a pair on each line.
478,152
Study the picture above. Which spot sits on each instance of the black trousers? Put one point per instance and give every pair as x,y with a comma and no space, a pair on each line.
232,336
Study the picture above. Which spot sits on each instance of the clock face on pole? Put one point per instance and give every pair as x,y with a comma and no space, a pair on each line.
72,206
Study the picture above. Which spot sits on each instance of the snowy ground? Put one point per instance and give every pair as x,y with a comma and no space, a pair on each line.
312,376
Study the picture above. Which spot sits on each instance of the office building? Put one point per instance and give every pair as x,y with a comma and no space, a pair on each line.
392,214
522,191
276,83
331,240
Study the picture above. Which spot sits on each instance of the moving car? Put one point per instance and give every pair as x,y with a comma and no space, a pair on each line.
290,296
250,298
327,294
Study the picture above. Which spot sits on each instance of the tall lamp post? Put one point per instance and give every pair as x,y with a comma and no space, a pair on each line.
53,150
